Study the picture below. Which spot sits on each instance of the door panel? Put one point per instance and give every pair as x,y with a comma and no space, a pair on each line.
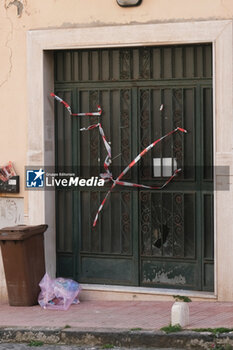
178,110
167,222
112,243
143,237
169,239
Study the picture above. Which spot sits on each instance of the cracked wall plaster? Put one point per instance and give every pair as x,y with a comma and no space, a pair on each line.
8,39
19,6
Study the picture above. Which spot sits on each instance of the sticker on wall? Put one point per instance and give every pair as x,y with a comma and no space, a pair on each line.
7,171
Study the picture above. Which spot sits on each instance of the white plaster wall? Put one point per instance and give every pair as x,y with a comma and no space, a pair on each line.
11,214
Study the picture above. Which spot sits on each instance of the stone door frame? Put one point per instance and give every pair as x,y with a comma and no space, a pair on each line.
40,45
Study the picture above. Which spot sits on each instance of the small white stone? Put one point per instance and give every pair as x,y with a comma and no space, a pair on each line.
180,314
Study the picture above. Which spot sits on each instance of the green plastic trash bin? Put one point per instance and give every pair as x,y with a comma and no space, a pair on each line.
24,264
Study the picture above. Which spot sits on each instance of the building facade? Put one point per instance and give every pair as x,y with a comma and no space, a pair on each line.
151,68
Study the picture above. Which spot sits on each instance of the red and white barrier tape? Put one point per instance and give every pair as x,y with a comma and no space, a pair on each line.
107,176
67,106
123,183
108,160
107,145
118,182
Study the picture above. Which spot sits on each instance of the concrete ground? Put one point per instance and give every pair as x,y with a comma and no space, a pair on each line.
117,315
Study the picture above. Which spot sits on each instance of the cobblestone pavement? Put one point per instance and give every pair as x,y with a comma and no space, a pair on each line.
17,346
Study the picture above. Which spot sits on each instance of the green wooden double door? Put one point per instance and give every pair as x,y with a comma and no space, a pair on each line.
155,238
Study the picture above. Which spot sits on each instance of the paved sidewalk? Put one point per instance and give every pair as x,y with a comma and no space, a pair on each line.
117,315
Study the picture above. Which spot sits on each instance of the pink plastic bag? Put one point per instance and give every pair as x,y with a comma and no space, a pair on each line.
58,293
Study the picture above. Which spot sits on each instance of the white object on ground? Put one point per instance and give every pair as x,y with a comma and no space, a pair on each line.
180,314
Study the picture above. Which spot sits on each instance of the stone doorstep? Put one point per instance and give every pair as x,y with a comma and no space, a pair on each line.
117,337
93,292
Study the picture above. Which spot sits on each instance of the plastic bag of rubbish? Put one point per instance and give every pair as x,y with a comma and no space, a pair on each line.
58,293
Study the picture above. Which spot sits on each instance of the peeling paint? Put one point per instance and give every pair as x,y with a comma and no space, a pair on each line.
163,277
25,8
19,6
11,211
